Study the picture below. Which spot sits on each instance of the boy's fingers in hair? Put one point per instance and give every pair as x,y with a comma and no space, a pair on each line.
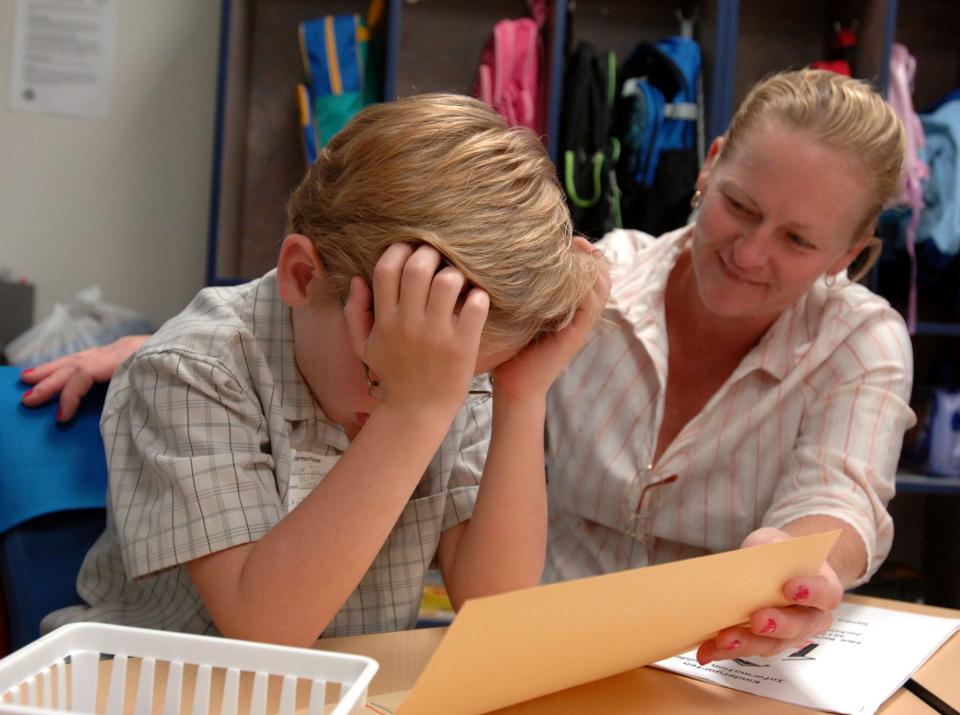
473,315
591,307
444,292
358,314
418,274
583,245
602,287
386,278
78,385
600,292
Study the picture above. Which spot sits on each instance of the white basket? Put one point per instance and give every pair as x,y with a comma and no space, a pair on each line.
84,667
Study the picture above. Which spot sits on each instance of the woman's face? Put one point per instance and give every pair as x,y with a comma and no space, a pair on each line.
775,216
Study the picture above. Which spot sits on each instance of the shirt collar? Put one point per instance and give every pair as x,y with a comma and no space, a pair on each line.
798,330
640,286
782,346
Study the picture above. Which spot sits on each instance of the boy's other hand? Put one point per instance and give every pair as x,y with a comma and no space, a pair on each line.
533,370
419,346
72,376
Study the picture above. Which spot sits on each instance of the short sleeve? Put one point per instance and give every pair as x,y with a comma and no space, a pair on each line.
845,460
189,471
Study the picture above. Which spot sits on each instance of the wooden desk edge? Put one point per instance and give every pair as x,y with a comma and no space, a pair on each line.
404,654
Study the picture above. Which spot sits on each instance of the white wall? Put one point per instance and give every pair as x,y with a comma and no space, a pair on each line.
123,201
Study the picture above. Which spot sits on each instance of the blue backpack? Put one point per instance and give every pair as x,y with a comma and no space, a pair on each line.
340,77
657,116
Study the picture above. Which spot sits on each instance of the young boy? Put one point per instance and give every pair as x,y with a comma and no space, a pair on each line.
287,457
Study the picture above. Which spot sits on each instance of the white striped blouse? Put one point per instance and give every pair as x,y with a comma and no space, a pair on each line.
810,423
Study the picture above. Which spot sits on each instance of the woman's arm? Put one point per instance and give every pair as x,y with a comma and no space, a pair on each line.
839,475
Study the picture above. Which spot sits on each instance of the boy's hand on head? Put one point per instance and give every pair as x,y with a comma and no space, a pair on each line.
533,370
419,347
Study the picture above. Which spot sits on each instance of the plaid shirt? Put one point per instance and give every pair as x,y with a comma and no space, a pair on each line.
207,430
810,422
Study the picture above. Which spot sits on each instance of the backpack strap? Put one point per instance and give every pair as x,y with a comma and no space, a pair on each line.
601,141
903,67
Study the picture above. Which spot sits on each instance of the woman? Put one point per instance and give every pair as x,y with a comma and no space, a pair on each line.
742,388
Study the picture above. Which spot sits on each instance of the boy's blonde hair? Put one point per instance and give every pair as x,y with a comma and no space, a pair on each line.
445,170
844,113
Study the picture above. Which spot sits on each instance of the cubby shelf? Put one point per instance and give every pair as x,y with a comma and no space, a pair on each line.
434,45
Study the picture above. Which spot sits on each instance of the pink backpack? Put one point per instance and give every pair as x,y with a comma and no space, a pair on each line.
509,75
903,67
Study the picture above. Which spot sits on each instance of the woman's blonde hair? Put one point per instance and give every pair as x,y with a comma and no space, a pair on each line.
445,170
842,112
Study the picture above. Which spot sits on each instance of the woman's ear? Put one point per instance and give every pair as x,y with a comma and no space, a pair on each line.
298,264
704,176
843,262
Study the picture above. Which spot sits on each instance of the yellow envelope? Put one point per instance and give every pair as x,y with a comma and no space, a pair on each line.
516,646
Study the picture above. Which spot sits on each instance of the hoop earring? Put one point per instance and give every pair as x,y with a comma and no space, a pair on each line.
696,199
373,386
830,280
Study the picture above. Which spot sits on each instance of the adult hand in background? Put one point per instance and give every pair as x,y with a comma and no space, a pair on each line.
72,376
534,369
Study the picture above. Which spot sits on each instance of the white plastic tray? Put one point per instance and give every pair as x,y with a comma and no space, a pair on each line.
85,668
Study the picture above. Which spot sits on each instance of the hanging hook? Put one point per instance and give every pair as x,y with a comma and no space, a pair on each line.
687,23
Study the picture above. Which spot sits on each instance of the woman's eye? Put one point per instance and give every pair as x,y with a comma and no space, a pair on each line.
799,241
737,206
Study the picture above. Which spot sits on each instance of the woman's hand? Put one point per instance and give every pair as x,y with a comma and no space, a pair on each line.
533,370
772,630
420,347
72,376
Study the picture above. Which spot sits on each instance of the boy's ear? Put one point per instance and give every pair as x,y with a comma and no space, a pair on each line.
298,264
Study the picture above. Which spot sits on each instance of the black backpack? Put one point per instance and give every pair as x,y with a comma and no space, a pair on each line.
656,118
587,153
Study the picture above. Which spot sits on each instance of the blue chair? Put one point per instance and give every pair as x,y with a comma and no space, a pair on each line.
52,495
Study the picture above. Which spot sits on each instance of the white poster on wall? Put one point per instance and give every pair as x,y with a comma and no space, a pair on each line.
63,56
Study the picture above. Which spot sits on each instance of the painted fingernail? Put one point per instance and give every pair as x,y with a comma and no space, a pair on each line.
770,627
802,594
27,371
59,414
733,645
26,394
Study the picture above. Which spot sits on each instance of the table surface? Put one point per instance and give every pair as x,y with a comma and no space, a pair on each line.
403,655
